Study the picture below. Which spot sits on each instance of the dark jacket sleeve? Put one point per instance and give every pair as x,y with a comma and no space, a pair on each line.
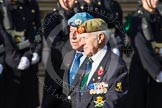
2,52
148,58
50,22
38,34
117,10
13,56
144,49
118,87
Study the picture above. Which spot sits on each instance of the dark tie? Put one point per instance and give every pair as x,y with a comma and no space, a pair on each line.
87,71
75,67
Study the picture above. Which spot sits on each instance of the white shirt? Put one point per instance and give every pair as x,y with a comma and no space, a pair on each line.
97,58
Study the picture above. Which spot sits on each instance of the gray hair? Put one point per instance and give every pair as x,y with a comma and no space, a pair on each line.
107,34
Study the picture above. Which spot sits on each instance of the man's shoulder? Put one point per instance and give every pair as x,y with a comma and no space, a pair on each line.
69,53
52,14
69,56
51,20
118,59
136,17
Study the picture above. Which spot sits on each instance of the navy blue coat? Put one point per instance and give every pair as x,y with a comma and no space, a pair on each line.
114,98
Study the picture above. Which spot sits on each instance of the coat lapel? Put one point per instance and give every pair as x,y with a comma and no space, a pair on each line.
74,92
67,64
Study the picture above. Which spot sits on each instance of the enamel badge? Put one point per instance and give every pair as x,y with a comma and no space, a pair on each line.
100,71
119,87
99,102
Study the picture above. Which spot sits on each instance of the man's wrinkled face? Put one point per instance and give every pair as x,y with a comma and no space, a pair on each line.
89,43
74,38
67,4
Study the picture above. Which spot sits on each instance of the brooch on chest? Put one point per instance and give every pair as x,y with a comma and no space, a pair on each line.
98,89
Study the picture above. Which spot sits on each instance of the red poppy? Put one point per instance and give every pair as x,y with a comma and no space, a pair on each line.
100,71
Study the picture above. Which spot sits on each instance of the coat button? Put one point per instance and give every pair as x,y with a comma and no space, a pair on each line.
20,7
76,1
82,7
23,18
116,13
81,94
35,27
99,3
33,11
33,23
69,97
54,9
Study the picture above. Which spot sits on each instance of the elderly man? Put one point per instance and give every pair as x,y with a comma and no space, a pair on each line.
77,52
104,81
74,58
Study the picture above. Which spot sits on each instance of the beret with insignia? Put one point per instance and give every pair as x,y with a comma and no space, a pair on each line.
92,25
79,18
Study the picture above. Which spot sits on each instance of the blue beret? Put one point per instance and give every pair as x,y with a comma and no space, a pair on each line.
79,18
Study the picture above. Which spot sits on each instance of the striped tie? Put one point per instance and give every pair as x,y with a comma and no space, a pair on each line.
87,71
75,67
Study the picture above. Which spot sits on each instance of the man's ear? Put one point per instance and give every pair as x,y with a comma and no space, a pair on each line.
100,38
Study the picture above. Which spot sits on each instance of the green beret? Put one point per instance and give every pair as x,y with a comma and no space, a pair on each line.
92,25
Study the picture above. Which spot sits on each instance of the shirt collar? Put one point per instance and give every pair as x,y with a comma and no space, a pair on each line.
80,52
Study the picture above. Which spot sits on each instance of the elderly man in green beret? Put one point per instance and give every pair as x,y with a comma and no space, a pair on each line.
104,82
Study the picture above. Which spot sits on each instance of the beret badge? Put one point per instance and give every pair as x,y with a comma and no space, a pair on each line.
81,30
78,22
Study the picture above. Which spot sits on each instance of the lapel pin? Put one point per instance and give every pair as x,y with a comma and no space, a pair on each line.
93,79
100,71
91,86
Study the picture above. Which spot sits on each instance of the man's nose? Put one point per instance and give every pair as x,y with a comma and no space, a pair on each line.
74,38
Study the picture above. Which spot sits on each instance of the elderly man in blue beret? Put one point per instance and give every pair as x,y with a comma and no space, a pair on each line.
75,58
